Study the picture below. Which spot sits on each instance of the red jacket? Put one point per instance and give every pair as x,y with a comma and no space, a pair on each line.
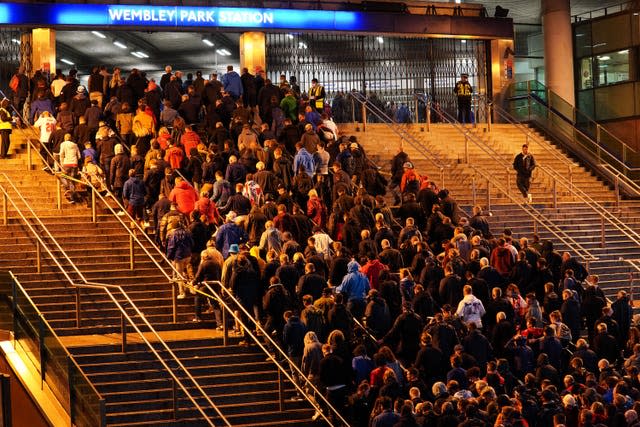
372,270
184,196
174,156
189,140
502,260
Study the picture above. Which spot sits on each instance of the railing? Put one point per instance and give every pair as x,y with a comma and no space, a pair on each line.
604,11
311,396
55,365
402,133
532,101
125,317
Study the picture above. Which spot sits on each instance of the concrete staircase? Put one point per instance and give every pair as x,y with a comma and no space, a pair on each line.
133,383
573,217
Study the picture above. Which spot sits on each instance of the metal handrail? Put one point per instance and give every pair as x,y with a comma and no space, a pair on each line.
258,327
403,134
587,256
106,287
619,176
575,191
623,6
53,333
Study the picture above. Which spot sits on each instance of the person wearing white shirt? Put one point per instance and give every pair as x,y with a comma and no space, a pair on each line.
470,308
69,159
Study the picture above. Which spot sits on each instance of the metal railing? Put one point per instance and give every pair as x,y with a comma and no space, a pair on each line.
314,394
402,133
124,315
55,365
604,11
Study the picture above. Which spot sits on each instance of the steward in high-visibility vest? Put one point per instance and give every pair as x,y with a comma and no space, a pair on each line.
316,96
463,91
5,128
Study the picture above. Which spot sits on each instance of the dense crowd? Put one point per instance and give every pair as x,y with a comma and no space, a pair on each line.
252,184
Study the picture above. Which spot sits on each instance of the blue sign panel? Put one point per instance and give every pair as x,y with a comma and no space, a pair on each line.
177,16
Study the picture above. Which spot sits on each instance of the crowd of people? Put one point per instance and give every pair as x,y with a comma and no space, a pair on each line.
400,307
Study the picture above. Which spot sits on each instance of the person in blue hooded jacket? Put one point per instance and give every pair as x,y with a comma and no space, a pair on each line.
355,286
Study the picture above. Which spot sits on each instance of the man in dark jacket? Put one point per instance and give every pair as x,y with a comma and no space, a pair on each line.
524,164
274,303
293,337
405,335
134,193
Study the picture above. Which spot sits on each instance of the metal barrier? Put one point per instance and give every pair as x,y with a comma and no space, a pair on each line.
125,317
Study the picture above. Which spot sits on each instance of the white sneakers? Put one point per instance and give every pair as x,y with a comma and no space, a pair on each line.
529,198
181,296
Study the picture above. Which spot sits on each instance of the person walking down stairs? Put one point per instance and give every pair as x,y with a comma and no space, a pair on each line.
524,164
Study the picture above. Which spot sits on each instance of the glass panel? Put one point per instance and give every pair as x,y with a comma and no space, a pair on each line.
85,402
27,334
612,33
582,40
615,102
585,104
56,367
611,67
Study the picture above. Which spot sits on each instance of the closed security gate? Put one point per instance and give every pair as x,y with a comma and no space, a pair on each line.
390,70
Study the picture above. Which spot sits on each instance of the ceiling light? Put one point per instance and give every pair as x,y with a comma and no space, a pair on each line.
141,54
120,44
624,52
302,45
604,58
207,42
379,39
16,41
223,52
98,34
66,61
463,41
599,45
290,36
136,54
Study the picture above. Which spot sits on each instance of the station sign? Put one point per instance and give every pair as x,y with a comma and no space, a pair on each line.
176,17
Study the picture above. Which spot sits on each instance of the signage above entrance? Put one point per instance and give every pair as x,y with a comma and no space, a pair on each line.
54,14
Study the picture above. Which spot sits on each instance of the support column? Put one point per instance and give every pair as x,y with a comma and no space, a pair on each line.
43,45
501,75
558,48
253,51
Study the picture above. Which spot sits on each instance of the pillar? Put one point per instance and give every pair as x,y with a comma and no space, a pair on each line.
502,68
253,51
558,48
43,48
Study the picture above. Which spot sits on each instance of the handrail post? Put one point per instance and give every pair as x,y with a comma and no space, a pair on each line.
29,155
473,190
555,194
38,257
535,226
364,117
488,195
174,303
489,117
131,261
4,209
41,350
529,107
570,176
280,391
617,189
174,396
59,193
123,330
598,146
103,412
78,307
508,182
442,177
416,109
602,235
466,149
93,205
225,330
428,116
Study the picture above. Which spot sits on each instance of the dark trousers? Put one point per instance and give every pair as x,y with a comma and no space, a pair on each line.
523,182
464,109
6,141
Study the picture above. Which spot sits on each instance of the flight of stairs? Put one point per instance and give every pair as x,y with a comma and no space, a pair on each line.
573,217
134,384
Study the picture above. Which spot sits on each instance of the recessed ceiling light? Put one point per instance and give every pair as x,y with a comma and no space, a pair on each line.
120,44
16,41
302,45
66,61
379,39
207,42
98,34
290,36
604,58
624,52
223,52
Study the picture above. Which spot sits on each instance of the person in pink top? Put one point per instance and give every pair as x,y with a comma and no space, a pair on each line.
184,195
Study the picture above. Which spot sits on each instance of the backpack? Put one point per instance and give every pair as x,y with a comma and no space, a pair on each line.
314,321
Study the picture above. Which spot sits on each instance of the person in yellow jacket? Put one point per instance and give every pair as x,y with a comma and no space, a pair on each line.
316,96
463,91
5,128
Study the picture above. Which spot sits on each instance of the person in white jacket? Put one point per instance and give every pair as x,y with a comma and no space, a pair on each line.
470,308
69,159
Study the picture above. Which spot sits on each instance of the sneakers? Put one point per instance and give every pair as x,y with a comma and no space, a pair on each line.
529,198
146,224
316,416
196,320
121,213
296,398
181,296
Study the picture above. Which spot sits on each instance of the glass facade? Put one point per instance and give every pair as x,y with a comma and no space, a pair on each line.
606,65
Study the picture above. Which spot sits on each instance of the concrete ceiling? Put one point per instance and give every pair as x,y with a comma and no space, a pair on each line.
187,52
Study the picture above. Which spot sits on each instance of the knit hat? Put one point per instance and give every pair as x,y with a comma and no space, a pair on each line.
234,249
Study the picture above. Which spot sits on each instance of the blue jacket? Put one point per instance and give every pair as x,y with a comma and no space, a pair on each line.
179,244
355,284
134,191
232,84
293,336
304,158
227,235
